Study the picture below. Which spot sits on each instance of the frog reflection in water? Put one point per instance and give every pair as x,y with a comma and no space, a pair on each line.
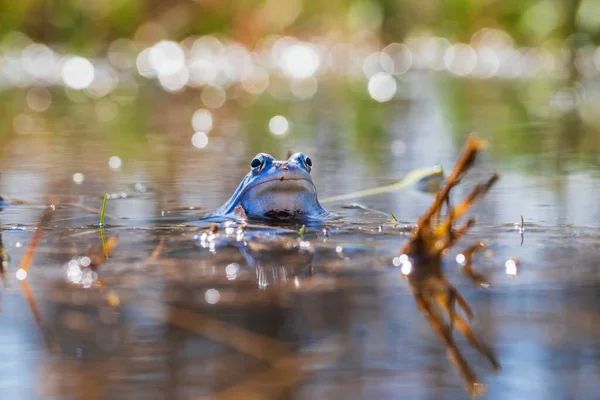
281,190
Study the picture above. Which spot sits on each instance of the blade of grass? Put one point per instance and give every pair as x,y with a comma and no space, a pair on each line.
103,241
103,211
302,231
102,214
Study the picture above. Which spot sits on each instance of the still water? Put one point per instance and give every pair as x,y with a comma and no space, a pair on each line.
175,314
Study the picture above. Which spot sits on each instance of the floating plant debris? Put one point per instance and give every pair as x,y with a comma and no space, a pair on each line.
422,258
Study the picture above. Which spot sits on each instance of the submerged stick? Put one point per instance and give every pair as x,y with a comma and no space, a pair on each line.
90,209
157,250
22,273
2,262
35,240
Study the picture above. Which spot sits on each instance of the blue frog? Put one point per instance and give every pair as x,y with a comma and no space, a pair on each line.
279,190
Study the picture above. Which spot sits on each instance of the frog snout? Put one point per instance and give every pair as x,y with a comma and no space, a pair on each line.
287,166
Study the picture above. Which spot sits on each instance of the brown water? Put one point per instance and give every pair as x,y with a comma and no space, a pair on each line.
331,318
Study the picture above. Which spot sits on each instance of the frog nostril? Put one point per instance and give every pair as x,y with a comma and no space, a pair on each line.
285,166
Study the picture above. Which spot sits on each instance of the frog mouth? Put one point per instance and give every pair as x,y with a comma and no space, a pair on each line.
285,214
284,184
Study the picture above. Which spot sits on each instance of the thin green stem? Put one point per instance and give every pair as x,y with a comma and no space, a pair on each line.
103,210
302,231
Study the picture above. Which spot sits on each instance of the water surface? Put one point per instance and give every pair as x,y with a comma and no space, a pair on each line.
328,316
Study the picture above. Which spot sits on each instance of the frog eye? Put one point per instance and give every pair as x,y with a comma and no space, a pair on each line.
256,162
308,161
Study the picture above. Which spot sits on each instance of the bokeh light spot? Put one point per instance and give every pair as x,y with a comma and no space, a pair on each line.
460,59
213,96
78,178
38,99
77,72
212,296
511,267
304,89
166,57
200,140
382,87
202,120
114,162
300,60
21,274
278,125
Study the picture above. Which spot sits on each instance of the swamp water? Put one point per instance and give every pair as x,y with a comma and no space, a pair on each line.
256,312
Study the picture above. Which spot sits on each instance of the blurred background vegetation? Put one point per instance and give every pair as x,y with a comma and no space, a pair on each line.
525,73
89,27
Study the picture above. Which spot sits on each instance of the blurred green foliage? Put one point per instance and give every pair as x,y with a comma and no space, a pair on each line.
89,26
495,109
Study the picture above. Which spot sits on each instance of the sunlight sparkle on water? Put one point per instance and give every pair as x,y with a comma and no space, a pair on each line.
406,268
78,178
232,270
304,88
142,62
212,296
176,81
73,273
21,274
105,81
488,63
460,59
213,96
114,162
382,87
374,63
401,58
200,140
77,72
41,62
404,264
166,58
106,109
121,53
511,267
433,52
278,125
300,60
202,120
460,258
255,80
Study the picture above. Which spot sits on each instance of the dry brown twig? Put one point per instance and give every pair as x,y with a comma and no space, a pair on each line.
25,264
429,241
